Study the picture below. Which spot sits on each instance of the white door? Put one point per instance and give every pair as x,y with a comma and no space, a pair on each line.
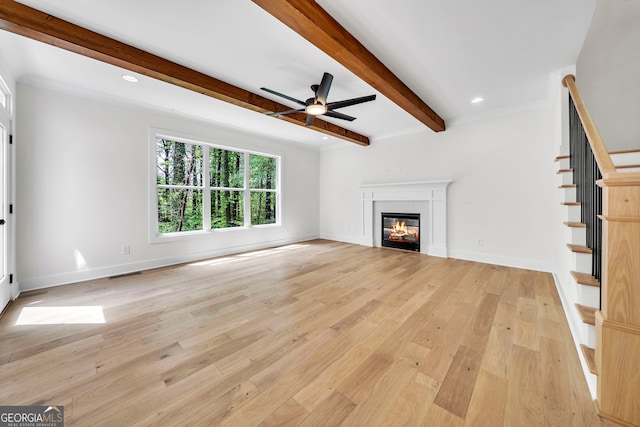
5,289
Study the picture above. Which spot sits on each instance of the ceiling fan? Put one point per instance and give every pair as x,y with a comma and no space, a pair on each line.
318,105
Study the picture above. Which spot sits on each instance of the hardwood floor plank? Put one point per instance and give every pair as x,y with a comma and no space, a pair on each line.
439,417
202,388
497,280
477,335
458,385
511,290
289,414
526,284
524,404
357,386
413,406
284,341
546,308
279,390
486,408
497,354
384,395
330,412
557,405
526,329
314,333
301,355
356,317
445,345
327,382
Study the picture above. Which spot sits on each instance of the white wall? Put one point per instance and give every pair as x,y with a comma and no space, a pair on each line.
607,72
82,189
503,165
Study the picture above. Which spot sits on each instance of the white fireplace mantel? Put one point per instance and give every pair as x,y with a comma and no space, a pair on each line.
428,197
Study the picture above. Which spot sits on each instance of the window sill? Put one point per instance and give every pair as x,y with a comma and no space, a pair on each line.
200,234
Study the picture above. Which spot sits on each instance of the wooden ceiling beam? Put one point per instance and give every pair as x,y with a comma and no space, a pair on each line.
34,24
313,23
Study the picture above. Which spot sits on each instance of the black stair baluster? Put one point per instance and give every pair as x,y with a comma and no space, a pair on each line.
588,193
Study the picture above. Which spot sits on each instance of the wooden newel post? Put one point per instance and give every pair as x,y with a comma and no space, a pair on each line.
618,321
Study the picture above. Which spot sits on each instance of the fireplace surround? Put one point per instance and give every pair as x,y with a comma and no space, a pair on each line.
428,198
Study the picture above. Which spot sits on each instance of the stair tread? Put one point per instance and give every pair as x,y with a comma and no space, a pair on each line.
627,166
590,358
581,249
571,203
564,170
585,279
575,224
567,186
562,157
630,150
587,314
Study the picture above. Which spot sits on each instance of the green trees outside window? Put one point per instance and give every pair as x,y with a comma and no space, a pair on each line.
262,181
227,174
179,180
197,182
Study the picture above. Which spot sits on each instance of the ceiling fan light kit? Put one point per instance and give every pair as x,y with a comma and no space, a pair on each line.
318,105
316,109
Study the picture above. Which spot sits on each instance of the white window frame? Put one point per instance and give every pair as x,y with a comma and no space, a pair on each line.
206,144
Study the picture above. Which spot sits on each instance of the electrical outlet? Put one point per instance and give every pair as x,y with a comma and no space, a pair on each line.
480,243
126,250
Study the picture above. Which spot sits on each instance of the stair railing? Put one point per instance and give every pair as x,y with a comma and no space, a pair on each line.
617,323
585,174
599,149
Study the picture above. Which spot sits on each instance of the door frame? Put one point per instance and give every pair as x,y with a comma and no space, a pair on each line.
8,286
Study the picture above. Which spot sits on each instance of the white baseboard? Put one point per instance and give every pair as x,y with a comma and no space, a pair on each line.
444,252
439,251
527,264
345,239
99,273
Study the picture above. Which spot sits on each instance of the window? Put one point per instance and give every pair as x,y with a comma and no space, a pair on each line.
180,186
5,100
201,187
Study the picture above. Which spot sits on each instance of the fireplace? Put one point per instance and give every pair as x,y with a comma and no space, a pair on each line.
401,231
428,198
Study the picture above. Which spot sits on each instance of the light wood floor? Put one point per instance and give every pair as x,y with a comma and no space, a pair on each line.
315,334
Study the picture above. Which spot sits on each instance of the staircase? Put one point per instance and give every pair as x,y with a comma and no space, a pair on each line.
601,196
586,285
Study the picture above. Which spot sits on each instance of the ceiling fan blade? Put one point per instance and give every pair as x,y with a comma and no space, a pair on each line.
281,113
297,101
348,102
323,90
337,115
310,119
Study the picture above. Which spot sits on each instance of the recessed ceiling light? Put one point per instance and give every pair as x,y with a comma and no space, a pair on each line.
325,137
477,100
130,78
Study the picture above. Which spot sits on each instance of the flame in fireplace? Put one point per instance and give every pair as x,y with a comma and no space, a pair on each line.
399,228
400,232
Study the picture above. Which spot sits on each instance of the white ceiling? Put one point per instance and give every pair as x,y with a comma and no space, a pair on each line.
446,51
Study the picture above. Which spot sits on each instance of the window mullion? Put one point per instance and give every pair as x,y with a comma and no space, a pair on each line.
247,192
206,192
